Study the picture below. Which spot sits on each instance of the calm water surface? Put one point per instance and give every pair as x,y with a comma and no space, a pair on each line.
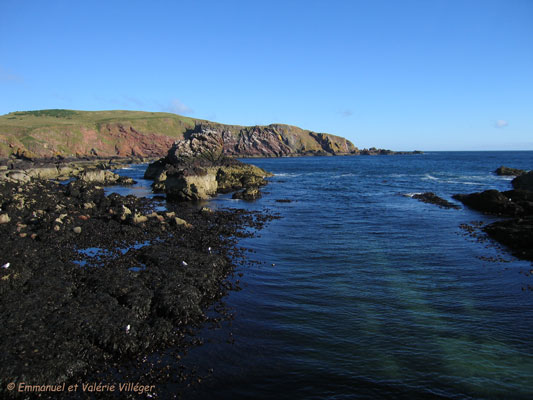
373,294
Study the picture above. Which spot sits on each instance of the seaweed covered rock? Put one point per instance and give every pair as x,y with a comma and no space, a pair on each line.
506,171
524,181
432,198
517,232
234,177
90,281
196,169
251,193
490,201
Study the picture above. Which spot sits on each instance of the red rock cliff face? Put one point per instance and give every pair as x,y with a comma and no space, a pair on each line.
108,141
129,142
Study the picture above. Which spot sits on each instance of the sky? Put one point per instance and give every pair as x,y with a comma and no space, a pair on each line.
402,75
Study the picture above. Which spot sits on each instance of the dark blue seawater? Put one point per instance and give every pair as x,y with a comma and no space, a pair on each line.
374,295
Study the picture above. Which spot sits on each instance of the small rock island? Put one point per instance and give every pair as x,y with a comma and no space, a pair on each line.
196,168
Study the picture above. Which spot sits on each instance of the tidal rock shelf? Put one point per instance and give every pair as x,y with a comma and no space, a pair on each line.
89,169
432,198
66,314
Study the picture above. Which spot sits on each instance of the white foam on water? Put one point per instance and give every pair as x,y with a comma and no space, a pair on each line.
288,175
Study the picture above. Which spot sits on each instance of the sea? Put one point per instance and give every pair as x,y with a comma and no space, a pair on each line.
362,292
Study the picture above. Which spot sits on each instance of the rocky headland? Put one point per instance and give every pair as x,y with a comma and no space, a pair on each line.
516,231
33,135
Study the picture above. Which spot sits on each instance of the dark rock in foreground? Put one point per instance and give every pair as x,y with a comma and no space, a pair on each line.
196,168
516,233
509,203
432,198
524,181
506,171
90,281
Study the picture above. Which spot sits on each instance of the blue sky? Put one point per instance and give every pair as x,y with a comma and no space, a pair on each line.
427,74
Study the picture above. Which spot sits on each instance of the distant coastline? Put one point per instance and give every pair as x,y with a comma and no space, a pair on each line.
62,134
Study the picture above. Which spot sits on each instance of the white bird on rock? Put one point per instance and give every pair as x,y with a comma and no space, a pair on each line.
128,328
184,263
6,265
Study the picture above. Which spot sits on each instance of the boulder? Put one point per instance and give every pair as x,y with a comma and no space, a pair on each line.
524,181
235,177
180,221
183,187
139,219
251,193
154,169
159,183
506,171
18,176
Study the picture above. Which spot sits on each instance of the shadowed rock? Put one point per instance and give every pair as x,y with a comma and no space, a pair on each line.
489,201
516,233
524,181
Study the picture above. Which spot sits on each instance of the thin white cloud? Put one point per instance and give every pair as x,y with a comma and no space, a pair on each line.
501,123
134,101
6,76
177,107
346,113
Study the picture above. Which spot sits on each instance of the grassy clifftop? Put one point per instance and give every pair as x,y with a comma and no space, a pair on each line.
48,133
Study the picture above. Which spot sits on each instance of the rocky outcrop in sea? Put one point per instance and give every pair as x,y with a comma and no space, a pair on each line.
432,198
524,181
197,168
516,231
507,171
